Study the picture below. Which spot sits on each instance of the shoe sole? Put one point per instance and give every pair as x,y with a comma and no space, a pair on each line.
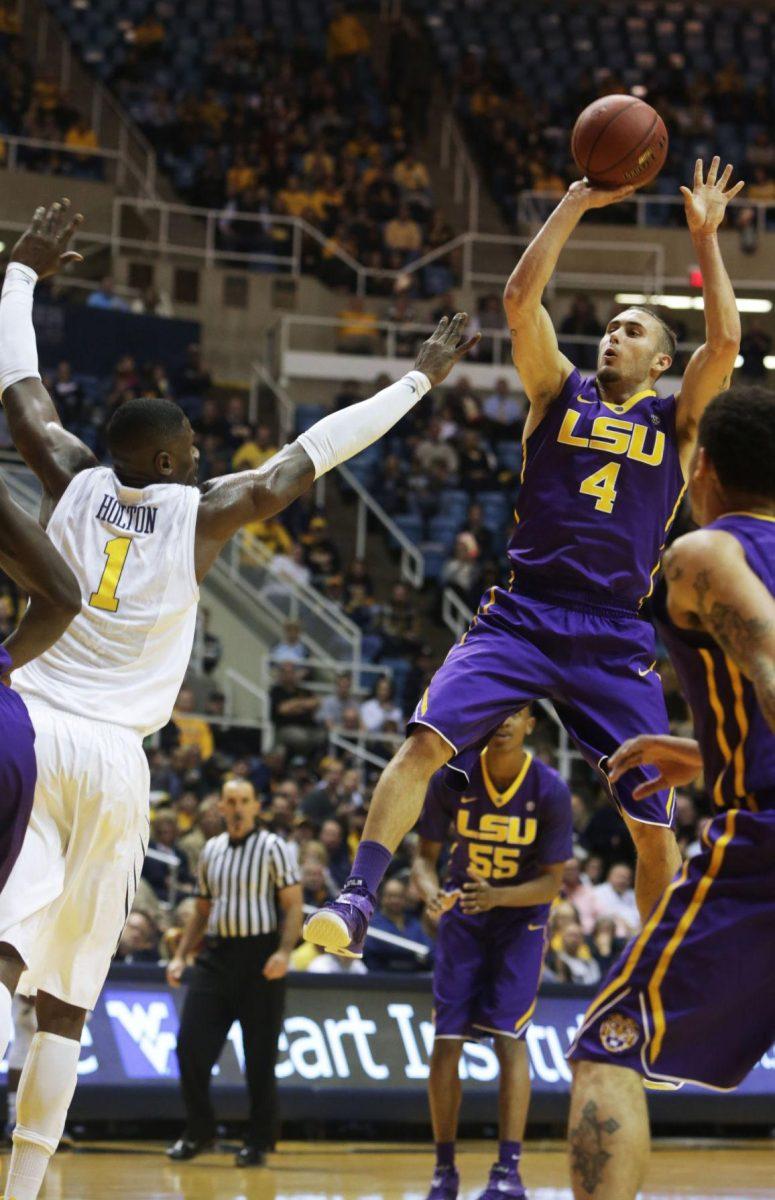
330,931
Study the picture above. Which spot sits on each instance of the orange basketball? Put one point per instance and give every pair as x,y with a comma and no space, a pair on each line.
619,140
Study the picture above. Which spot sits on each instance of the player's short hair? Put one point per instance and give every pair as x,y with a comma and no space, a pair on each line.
669,341
140,421
737,431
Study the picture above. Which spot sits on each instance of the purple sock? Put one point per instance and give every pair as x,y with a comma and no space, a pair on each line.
371,862
445,1154
509,1153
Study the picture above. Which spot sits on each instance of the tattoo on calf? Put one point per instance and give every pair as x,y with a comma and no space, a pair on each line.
588,1157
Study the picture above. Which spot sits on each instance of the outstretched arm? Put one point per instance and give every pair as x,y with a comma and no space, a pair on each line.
711,587
232,501
48,449
31,560
710,368
536,354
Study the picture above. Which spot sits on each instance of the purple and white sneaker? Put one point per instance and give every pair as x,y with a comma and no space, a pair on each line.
504,1184
445,1184
340,927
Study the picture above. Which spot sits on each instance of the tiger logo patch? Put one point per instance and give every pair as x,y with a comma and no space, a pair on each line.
619,1033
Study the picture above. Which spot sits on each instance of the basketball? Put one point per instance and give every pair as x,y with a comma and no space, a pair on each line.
619,140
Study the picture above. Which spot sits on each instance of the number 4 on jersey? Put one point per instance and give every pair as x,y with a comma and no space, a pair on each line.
602,485
105,597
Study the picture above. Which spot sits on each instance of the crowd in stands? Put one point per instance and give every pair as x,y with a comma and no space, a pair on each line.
520,78
33,106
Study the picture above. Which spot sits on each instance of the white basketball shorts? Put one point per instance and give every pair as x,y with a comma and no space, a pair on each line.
69,894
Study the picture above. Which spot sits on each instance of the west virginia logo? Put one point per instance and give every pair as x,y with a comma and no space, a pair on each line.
618,1033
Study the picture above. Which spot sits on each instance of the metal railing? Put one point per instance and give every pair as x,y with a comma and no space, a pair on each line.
326,630
198,233
455,613
52,53
534,207
454,156
388,335
412,560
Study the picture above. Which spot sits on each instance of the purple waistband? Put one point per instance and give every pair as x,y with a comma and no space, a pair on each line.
540,588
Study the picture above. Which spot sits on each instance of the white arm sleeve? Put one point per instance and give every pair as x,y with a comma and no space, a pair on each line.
344,434
18,348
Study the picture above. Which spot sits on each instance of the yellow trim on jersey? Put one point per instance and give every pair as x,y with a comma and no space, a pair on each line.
756,516
683,927
658,563
628,404
523,1020
718,712
490,602
424,702
741,716
501,798
670,804
754,807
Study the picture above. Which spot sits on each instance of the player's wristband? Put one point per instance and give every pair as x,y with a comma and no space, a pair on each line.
18,348
342,435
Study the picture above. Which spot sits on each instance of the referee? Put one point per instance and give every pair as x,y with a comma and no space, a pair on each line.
244,874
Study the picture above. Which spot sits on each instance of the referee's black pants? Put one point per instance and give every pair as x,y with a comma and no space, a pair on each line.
226,985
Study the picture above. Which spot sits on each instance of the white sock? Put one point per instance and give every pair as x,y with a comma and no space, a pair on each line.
6,1021
45,1091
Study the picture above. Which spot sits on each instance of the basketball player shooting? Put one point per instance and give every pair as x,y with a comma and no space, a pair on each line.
604,462
140,536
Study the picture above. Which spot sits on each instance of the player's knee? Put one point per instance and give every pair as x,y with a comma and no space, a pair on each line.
446,1051
423,752
509,1050
57,1017
654,843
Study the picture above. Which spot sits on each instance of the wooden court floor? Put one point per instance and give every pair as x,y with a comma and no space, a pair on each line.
346,1171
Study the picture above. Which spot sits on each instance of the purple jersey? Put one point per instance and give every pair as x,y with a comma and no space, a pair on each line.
506,837
737,744
601,484
18,772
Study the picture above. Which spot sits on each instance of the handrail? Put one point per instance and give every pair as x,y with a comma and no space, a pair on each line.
454,154
533,207
455,613
340,742
210,253
412,559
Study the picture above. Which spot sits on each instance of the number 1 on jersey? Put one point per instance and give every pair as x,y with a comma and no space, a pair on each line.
105,596
602,485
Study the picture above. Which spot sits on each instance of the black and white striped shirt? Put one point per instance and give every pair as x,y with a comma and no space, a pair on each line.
242,880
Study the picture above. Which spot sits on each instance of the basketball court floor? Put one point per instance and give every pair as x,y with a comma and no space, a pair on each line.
343,1171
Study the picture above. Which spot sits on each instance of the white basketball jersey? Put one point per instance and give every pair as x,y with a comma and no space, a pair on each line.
124,656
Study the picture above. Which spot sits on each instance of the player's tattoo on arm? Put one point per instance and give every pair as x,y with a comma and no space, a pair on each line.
745,639
588,1153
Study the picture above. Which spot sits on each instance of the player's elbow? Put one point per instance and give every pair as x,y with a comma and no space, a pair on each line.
65,594
516,298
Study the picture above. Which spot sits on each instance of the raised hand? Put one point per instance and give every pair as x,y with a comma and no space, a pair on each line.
44,246
706,203
444,348
593,196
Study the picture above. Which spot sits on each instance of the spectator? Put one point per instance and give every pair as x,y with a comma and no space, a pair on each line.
333,706
323,801
478,465
393,917
68,395
399,624
358,331
581,894
402,234
462,572
294,712
477,529
502,412
616,898
756,344
212,647
164,835
268,532
581,321
401,313
193,731
254,452
105,297
332,836
347,35
573,962
380,709
139,940
316,888
605,945
334,964
291,649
